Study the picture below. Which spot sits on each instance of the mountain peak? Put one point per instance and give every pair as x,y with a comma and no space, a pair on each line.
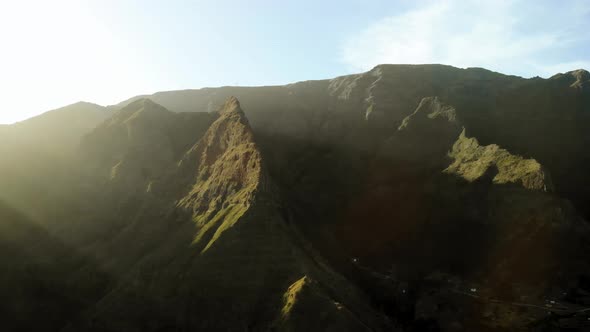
578,78
231,105
582,77
143,102
140,110
227,165
580,73
82,103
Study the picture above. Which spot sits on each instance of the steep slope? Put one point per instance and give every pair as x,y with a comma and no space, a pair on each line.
305,296
125,165
139,142
208,248
436,202
42,278
369,168
228,173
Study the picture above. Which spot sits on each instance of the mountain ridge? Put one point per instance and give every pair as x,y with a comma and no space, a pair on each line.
227,224
367,202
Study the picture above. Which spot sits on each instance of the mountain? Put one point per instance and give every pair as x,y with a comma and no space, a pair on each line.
42,277
57,131
38,152
492,105
411,198
200,220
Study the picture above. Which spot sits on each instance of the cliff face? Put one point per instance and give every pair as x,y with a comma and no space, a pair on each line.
227,168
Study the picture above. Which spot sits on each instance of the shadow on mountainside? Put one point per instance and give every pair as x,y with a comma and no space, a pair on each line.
44,285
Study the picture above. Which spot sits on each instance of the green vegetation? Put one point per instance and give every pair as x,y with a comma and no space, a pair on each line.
291,296
472,161
217,223
227,177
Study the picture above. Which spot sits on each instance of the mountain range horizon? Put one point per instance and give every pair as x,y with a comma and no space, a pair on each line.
252,86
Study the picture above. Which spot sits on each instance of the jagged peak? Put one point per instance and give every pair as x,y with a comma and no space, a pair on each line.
231,105
143,103
230,128
225,170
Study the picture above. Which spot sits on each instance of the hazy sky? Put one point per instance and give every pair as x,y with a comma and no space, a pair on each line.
55,53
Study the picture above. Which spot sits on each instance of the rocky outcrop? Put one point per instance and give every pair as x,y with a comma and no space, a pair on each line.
578,79
582,78
471,161
424,137
430,108
306,306
227,167
433,134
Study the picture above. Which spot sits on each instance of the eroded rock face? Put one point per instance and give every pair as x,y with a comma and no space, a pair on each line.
430,108
578,79
471,161
227,169
582,78
425,136
434,135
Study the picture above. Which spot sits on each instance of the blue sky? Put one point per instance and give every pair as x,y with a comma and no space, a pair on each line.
58,52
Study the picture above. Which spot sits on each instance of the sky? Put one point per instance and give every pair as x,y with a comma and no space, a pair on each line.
55,53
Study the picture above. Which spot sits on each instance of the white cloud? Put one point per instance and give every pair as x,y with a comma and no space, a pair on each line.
507,36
